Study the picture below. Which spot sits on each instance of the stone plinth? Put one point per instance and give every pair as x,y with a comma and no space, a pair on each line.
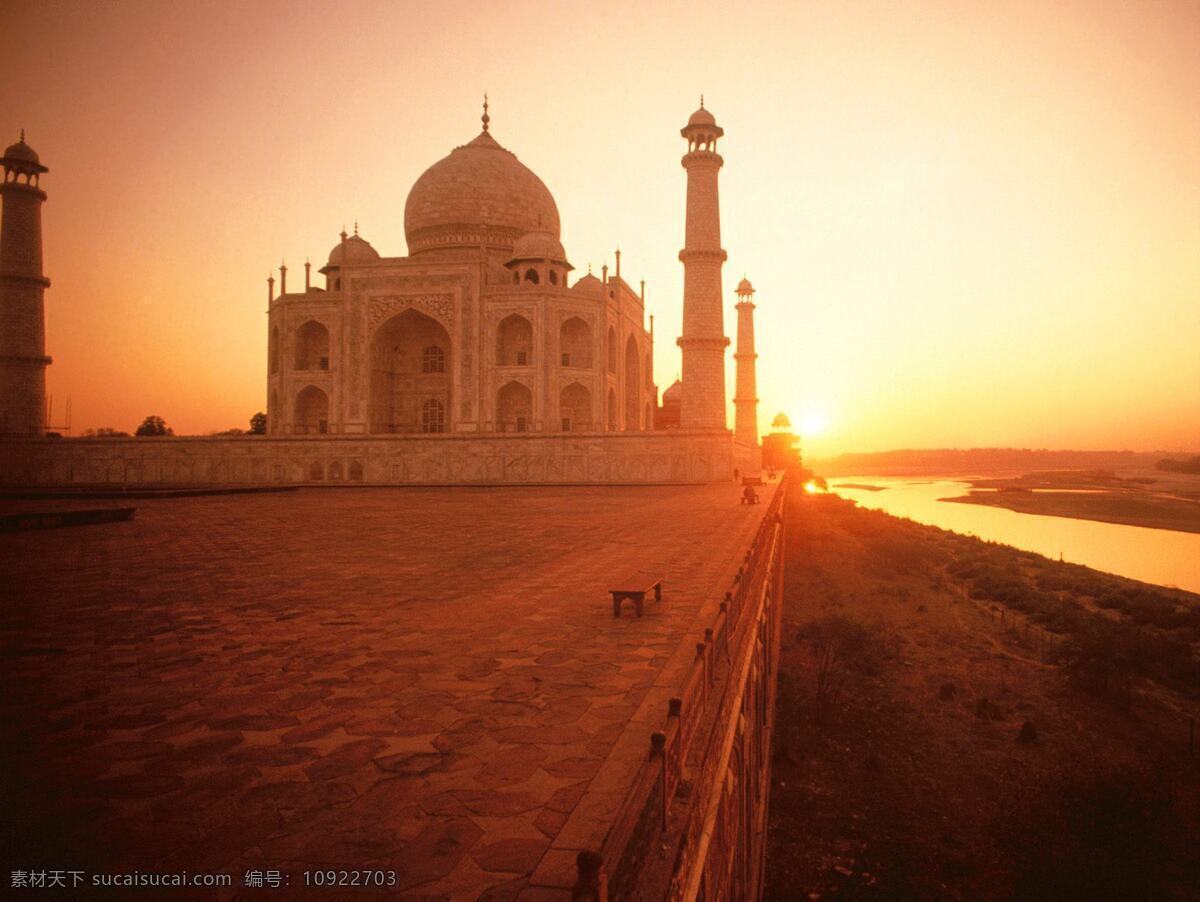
515,459
424,681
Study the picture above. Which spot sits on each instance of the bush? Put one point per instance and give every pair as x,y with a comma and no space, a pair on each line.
840,647
154,425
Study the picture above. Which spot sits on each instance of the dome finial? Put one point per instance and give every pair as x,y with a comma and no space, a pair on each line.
355,228
485,117
701,101
22,136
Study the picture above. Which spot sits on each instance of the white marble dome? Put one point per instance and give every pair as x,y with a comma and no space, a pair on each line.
479,194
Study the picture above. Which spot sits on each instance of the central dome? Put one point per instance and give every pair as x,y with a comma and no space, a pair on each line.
479,194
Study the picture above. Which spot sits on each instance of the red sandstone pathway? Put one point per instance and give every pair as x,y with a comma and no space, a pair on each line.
426,681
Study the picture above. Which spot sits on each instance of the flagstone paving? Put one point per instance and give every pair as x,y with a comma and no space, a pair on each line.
419,680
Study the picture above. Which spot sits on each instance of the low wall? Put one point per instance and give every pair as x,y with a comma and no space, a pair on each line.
613,458
693,823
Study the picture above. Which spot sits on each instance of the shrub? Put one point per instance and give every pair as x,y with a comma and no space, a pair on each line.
154,425
1100,659
840,646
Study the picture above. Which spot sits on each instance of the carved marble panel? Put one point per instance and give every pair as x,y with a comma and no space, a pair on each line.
437,306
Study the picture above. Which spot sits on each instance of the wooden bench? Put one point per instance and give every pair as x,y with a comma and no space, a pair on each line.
634,588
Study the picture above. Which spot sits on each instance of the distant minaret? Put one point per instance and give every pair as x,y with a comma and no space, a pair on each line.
23,359
745,400
703,341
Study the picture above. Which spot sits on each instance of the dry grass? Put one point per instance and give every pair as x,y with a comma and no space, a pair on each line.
959,760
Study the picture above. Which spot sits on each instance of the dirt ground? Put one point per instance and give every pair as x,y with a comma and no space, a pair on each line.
915,782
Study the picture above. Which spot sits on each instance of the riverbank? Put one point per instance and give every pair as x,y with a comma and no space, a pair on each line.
963,720
1154,501
1104,507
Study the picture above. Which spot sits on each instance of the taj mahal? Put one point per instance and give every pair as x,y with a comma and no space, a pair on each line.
479,357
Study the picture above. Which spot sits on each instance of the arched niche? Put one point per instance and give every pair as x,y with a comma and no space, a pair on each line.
514,341
575,343
311,412
575,408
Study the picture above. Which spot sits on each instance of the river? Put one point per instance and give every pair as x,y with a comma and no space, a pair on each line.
1159,556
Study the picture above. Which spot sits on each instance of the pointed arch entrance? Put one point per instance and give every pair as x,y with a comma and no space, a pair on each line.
411,363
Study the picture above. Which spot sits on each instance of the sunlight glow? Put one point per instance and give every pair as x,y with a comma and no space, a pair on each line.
813,424
975,194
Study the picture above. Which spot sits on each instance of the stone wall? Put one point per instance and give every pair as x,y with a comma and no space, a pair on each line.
522,459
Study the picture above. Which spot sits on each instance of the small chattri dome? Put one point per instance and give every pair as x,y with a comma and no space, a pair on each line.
674,392
21,151
744,287
702,128
588,283
352,249
539,245
23,157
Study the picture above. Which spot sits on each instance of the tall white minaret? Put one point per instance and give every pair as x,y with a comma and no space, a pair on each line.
23,359
703,342
745,400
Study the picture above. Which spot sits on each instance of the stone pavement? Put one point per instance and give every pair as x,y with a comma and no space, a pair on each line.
422,680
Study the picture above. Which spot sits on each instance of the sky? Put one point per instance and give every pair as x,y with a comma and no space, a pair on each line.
968,224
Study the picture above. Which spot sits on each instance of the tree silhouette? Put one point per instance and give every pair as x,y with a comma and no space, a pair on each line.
153,425
258,424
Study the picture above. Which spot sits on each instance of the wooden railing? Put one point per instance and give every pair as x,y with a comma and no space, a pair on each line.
695,739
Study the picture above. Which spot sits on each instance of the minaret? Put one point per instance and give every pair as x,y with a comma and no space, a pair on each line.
23,359
745,402
703,341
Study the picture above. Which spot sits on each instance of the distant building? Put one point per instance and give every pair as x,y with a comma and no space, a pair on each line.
780,447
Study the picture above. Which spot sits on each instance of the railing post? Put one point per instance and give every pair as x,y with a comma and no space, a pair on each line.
675,714
730,624
590,883
658,749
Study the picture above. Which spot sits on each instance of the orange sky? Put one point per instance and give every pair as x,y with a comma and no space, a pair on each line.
968,223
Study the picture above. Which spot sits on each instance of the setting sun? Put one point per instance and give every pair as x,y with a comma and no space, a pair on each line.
813,424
